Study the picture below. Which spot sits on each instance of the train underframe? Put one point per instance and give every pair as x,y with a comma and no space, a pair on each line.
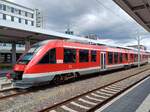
21,81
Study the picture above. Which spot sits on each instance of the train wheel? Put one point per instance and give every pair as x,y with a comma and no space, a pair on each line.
126,67
58,79
77,75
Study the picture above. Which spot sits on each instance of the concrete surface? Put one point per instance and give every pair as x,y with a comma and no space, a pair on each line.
136,100
145,106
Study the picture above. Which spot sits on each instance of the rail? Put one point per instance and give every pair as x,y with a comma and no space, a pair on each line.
91,100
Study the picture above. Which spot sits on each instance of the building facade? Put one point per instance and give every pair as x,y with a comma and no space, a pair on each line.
13,12
18,14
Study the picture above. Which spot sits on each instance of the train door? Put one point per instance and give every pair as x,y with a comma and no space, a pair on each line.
103,60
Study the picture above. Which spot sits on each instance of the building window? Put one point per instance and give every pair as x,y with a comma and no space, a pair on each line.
83,55
4,7
120,57
69,55
12,9
4,44
12,18
19,12
4,16
8,8
1,7
19,20
93,56
32,23
1,16
110,57
32,16
116,57
49,58
26,21
20,45
26,14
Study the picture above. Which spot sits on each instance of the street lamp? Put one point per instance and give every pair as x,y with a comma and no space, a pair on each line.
139,39
138,50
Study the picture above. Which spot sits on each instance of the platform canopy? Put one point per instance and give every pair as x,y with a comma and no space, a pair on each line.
18,33
138,10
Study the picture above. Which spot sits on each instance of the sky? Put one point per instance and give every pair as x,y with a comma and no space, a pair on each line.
101,17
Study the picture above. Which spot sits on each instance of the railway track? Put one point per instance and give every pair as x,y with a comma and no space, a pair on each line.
14,92
11,93
91,100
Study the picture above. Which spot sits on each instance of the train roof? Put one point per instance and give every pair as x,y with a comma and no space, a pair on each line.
85,45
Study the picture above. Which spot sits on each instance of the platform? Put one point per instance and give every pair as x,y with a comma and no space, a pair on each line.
137,99
4,72
5,84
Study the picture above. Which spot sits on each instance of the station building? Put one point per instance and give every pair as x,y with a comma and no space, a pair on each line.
15,13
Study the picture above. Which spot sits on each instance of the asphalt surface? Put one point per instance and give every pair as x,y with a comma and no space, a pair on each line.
131,101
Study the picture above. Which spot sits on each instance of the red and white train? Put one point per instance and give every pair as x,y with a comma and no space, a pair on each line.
59,60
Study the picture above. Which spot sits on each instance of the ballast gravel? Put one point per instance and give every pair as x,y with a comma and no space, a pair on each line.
35,101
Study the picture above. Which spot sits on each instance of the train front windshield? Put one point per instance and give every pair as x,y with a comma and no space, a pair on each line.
29,55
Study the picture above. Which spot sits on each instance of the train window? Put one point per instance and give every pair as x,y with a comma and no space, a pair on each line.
50,57
26,58
45,59
120,57
83,55
132,56
93,56
116,57
126,56
69,55
29,55
135,57
110,57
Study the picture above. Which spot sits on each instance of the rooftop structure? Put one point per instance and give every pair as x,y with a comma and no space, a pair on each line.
139,10
136,46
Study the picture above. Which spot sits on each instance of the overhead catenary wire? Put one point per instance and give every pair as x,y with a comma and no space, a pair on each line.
117,15
111,11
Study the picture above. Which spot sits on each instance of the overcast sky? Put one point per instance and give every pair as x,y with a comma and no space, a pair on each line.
103,18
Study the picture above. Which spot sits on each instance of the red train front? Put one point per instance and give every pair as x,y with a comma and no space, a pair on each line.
59,60
28,70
